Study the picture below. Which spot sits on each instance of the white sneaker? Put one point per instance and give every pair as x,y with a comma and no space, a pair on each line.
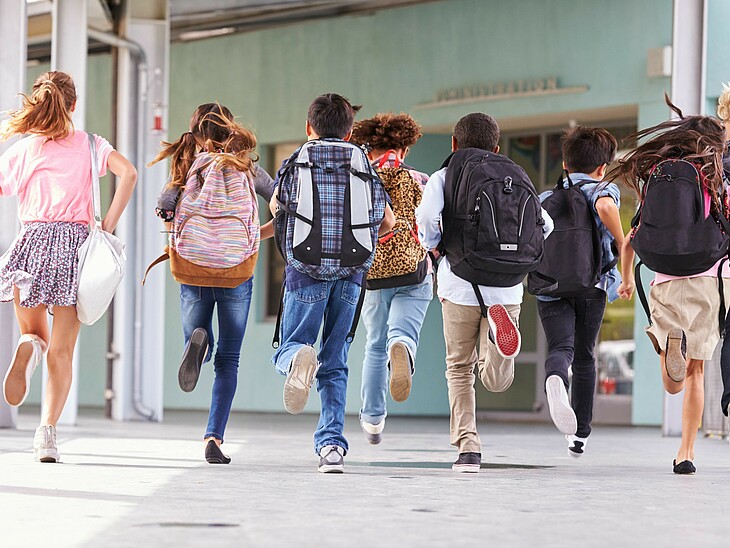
28,354
331,459
560,410
44,444
373,431
299,380
576,446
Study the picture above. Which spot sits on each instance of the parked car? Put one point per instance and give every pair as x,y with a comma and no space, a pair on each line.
615,365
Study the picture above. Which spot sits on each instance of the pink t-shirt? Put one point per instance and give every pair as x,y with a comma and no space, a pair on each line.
660,278
52,179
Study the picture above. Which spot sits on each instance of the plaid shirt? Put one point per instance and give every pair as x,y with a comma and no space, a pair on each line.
331,186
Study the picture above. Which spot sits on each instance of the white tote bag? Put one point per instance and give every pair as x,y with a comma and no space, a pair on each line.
101,259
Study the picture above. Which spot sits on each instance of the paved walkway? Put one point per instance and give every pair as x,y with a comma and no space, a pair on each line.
135,484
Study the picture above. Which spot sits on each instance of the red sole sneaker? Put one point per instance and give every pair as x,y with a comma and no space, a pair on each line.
504,332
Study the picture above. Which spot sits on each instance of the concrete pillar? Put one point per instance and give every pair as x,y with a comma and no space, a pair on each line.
689,55
69,47
13,58
138,322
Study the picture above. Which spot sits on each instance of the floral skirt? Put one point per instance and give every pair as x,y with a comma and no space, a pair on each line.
43,264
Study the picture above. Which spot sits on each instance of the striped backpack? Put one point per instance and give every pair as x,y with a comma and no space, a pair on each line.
331,204
214,240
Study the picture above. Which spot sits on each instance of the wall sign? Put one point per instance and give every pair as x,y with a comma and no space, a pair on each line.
503,90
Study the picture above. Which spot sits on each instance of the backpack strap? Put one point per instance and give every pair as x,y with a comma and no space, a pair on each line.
277,330
640,291
482,306
161,259
721,289
358,310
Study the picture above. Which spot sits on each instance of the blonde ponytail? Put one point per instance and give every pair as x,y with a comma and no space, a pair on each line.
723,103
47,111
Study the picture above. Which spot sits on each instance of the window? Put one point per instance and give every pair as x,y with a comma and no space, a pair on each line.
274,262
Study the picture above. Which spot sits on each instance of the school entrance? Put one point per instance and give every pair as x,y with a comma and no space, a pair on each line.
538,152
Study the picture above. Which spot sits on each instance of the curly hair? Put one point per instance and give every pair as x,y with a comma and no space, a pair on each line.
697,139
387,131
723,103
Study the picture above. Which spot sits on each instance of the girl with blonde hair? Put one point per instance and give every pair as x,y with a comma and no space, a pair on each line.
50,173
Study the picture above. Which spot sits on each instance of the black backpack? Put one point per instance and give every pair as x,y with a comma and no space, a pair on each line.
492,219
573,253
670,232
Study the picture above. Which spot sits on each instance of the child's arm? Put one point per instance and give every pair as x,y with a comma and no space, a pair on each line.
122,168
609,215
388,221
267,230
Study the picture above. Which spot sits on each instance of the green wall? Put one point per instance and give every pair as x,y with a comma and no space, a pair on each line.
392,60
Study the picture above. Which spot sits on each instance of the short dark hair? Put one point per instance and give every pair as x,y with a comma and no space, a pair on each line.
585,149
331,115
477,130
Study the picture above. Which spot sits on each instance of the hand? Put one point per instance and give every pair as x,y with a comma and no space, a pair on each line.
626,289
436,253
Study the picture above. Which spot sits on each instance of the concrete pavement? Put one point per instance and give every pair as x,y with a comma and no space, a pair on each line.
138,484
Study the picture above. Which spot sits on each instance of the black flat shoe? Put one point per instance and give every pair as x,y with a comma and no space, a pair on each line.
214,455
684,467
192,361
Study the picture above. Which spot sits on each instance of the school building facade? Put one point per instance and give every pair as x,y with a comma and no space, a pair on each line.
537,66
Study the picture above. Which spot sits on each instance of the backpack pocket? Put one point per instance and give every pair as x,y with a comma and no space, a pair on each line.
232,244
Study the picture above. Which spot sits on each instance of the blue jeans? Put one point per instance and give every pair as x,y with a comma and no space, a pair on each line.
390,315
330,306
197,305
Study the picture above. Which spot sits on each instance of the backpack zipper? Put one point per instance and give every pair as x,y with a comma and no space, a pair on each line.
491,207
522,215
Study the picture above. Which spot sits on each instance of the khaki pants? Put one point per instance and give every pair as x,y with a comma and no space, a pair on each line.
463,325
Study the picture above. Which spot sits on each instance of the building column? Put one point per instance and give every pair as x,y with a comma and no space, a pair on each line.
142,113
13,58
69,47
689,54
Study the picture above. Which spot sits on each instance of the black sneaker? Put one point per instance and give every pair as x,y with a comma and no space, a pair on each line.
214,455
684,467
192,360
331,459
576,446
468,462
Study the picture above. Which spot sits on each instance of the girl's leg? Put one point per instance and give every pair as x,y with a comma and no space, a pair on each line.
692,407
32,321
60,356
233,306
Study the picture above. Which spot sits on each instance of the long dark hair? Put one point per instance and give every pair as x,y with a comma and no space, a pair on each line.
697,139
213,129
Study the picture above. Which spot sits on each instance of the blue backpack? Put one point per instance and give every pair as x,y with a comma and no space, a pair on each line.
331,204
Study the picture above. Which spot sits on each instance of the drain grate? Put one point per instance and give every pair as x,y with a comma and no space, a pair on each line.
188,524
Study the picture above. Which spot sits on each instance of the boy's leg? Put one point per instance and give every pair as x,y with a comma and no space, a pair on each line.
558,320
375,311
304,309
461,329
589,311
300,322
495,371
332,374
